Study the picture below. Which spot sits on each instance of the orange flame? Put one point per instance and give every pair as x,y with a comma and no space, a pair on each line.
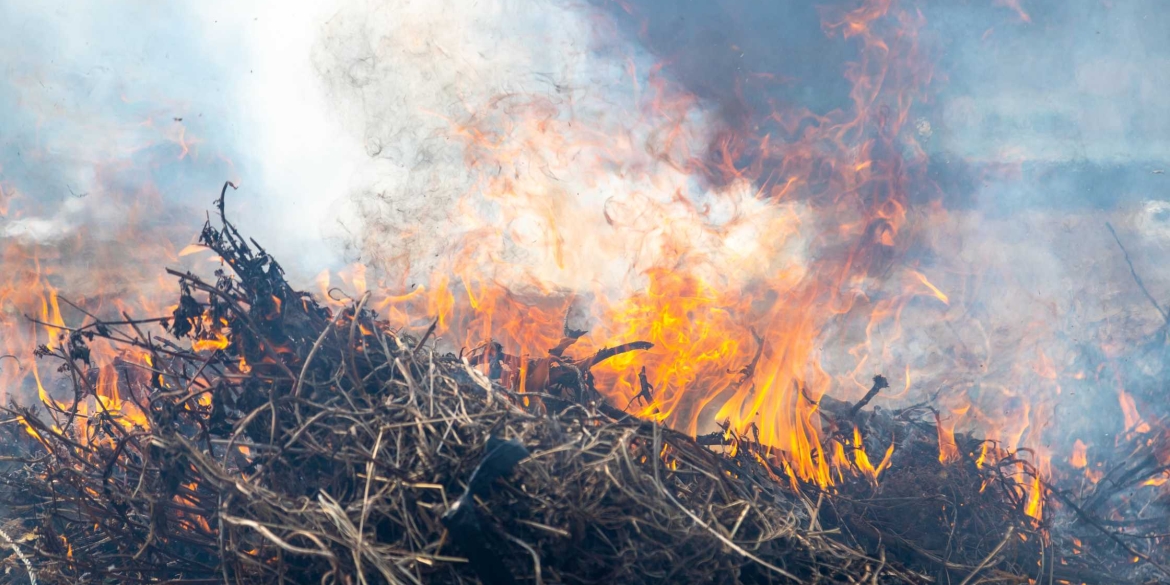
1079,458
1133,421
784,242
738,252
948,450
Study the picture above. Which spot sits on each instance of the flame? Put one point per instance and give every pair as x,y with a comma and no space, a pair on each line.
193,249
860,457
984,449
738,252
31,431
938,294
741,252
220,341
1079,458
1157,481
886,460
67,265
948,450
1034,504
1133,421
730,284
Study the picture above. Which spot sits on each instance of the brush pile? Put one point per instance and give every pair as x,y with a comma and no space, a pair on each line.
261,437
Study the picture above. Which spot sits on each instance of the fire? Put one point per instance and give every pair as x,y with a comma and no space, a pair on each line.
885,463
31,431
948,450
743,254
220,341
1133,421
1033,506
1156,481
740,253
59,278
733,264
1079,458
860,457
938,294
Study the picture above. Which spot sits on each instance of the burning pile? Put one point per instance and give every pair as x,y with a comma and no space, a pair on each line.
638,350
265,438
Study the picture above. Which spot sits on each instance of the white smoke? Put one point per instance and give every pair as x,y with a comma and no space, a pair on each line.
510,133
104,102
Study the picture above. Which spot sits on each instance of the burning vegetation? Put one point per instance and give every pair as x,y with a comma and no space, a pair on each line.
652,347
256,436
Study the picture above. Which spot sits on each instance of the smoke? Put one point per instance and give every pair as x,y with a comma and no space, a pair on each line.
1045,124
544,143
528,142
127,116
1033,80
1080,81
1054,115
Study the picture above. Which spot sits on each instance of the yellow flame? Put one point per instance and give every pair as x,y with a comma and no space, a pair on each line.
220,342
938,294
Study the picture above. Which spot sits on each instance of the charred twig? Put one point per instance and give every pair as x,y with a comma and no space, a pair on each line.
1111,535
987,561
748,371
609,352
645,390
429,332
879,383
1138,279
